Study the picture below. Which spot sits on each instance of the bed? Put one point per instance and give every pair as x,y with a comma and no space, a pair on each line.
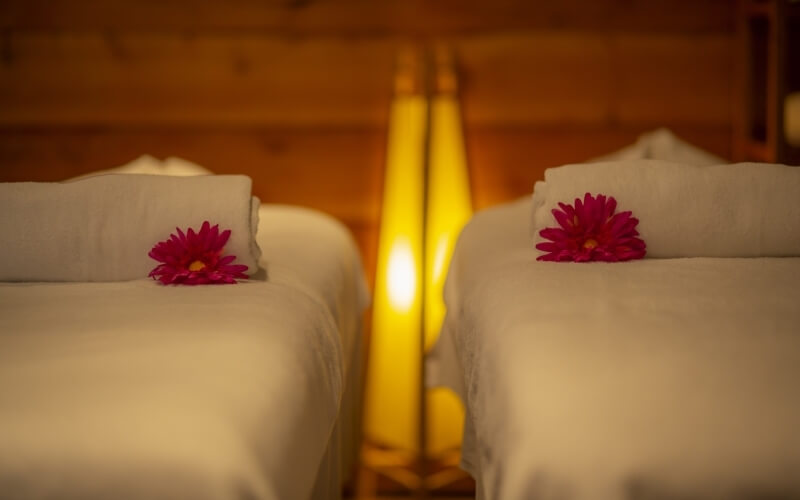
669,377
130,389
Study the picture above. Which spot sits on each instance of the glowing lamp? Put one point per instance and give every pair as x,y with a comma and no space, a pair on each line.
401,276
392,397
426,202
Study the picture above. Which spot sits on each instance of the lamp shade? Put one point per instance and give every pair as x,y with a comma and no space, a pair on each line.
392,399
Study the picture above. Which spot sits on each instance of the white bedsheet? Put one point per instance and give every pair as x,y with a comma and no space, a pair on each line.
654,379
135,390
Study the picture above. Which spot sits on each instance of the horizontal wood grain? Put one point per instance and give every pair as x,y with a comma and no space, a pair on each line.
532,78
370,17
558,78
504,163
181,80
336,171
674,79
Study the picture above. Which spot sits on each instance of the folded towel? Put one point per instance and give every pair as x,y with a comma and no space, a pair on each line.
741,210
102,228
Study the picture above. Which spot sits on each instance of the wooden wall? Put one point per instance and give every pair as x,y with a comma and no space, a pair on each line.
296,92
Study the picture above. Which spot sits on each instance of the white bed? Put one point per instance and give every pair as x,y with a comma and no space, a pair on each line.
133,390
650,379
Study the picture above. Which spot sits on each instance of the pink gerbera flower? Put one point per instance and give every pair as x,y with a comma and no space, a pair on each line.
592,231
195,258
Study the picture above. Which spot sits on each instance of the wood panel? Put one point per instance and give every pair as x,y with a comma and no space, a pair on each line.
506,162
542,78
581,78
336,171
370,17
534,78
674,79
183,80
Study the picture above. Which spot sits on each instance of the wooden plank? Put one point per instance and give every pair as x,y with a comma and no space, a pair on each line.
537,78
157,79
505,163
368,17
549,77
558,78
678,79
336,171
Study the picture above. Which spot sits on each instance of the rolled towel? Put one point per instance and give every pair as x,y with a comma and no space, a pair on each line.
102,228
740,210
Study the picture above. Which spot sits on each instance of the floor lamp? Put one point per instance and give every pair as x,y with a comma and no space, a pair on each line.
426,201
393,410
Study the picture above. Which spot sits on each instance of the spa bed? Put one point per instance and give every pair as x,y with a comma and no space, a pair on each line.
134,390
661,378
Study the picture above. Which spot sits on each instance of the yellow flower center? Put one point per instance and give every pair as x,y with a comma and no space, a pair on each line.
197,265
590,243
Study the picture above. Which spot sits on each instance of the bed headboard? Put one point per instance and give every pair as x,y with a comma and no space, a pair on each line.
296,93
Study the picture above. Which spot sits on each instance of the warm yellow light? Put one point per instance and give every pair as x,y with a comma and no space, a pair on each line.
440,257
449,203
392,402
449,208
393,382
402,279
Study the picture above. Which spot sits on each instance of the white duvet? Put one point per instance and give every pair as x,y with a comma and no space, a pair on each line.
133,390
653,379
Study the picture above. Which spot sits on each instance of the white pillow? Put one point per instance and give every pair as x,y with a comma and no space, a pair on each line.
181,167
662,144
149,165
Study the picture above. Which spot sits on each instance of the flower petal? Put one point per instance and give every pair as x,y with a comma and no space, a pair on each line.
553,233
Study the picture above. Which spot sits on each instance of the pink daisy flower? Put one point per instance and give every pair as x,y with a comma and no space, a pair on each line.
195,258
591,230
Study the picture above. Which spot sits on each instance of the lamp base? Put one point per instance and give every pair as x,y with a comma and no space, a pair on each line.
389,471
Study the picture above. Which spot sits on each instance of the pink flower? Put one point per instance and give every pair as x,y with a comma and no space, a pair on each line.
592,231
195,258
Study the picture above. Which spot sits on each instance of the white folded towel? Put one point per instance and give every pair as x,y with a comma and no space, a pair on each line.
740,210
102,228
